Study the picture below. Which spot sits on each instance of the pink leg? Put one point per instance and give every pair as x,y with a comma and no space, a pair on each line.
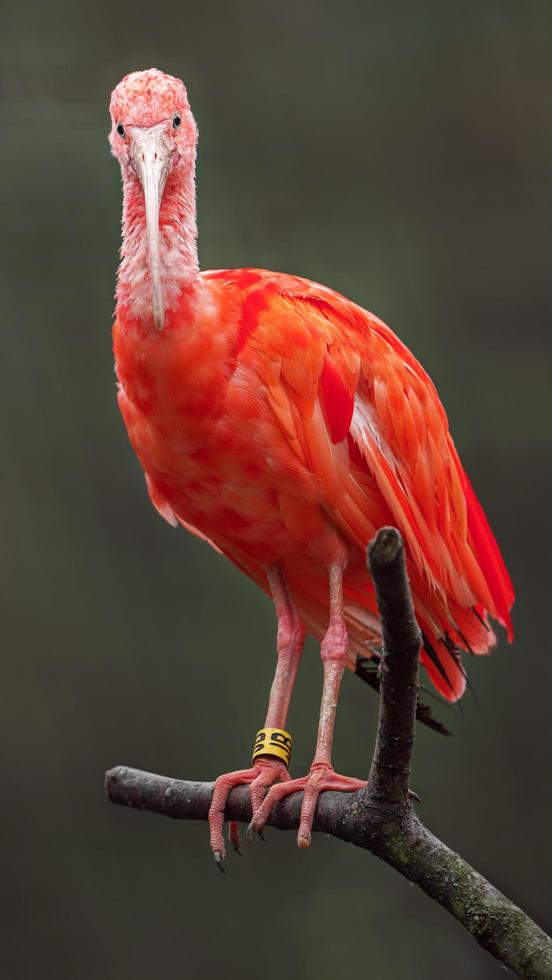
321,777
265,771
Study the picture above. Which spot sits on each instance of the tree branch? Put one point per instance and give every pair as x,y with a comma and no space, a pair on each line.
380,818
390,770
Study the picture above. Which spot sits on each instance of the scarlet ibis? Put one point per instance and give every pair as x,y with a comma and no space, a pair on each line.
284,424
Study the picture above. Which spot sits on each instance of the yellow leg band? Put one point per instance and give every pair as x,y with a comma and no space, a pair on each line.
273,741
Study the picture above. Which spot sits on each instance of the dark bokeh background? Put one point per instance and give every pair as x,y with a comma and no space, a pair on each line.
401,153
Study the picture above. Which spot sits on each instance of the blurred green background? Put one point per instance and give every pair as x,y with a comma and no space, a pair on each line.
401,153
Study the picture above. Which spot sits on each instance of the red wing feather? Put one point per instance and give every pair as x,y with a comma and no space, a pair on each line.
490,559
337,402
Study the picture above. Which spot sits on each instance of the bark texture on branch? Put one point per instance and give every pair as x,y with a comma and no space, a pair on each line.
380,818
390,770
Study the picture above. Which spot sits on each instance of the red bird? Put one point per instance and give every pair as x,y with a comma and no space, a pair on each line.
285,425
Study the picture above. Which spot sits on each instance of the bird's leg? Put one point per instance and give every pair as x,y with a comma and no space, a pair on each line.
333,652
266,770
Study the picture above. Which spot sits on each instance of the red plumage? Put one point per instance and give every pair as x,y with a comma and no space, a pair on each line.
277,407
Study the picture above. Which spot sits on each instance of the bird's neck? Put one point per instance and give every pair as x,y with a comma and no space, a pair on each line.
178,240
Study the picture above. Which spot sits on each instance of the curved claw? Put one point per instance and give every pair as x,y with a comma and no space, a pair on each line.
253,830
234,836
219,861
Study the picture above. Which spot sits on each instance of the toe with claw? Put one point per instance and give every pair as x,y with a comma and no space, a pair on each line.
320,778
264,773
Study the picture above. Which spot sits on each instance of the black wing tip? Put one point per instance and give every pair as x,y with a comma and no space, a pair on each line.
367,669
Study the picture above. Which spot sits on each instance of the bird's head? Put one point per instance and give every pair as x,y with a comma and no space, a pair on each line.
153,135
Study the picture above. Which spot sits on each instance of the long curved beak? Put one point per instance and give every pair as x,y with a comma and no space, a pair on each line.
151,152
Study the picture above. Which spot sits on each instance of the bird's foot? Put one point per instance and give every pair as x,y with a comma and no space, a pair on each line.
321,777
264,773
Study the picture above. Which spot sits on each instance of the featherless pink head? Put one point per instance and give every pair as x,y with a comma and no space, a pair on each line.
149,98
153,135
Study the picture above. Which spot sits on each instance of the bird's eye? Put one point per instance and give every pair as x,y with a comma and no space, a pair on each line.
121,129
176,120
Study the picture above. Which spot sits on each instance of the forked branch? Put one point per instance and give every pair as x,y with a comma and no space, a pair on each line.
380,818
